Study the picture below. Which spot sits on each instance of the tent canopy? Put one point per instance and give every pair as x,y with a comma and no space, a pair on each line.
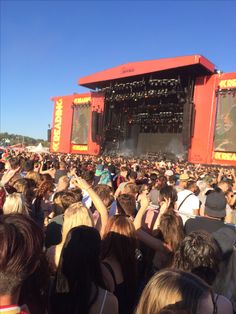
39,149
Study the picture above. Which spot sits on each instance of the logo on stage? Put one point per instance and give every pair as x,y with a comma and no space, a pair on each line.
80,147
57,125
225,156
83,100
227,83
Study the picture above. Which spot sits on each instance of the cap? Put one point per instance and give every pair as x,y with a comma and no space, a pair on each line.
169,173
215,205
184,177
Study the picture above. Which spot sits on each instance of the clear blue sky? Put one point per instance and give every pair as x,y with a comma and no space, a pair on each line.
46,46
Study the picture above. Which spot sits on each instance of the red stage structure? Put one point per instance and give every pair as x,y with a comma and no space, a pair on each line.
177,106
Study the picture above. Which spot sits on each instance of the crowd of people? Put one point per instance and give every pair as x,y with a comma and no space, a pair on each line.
85,234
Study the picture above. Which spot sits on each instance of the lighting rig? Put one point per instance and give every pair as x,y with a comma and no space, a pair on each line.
154,104
119,92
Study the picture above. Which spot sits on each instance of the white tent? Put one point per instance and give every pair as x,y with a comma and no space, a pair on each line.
39,149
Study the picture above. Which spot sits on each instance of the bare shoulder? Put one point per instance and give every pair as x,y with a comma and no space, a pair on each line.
111,304
224,305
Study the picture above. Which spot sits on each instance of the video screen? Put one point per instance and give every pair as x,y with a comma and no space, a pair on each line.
80,125
225,127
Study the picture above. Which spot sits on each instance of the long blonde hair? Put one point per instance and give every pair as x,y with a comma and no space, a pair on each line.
14,203
76,215
172,287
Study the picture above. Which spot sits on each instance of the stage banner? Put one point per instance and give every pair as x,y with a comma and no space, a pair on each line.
80,125
225,126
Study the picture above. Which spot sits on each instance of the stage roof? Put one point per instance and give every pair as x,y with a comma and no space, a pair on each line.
199,64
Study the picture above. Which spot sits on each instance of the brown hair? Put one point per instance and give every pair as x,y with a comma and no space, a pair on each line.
43,188
120,242
131,188
126,204
20,248
200,254
63,199
105,193
34,176
171,227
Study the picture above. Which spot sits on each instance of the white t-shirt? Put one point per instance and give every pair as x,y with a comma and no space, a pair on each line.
191,202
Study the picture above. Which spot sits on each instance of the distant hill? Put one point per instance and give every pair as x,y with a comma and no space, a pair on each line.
7,139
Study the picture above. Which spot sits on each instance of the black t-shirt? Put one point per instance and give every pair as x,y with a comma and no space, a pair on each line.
204,223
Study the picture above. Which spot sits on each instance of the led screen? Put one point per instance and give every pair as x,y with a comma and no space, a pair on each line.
80,125
225,127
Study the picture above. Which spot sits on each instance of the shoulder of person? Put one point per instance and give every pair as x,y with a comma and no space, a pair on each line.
223,305
111,304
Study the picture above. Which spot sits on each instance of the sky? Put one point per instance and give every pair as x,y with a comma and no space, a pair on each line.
46,46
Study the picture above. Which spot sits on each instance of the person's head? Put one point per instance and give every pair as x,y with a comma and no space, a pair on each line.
14,203
21,185
172,181
215,205
79,272
88,175
45,189
200,254
120,243
28,165
183,179
63,199
153,179
144,189
132,176
123,171
62,165
131,188
191,186
230,198
126,204
171,227
223,185
34,176
76,215
168,193
46,177
208,180
63,183
169,173
175,287
20,248
105,193
161,182
80,258
12,163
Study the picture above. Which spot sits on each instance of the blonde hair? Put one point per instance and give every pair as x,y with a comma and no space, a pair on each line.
14,203
76,215
34,176
170,287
